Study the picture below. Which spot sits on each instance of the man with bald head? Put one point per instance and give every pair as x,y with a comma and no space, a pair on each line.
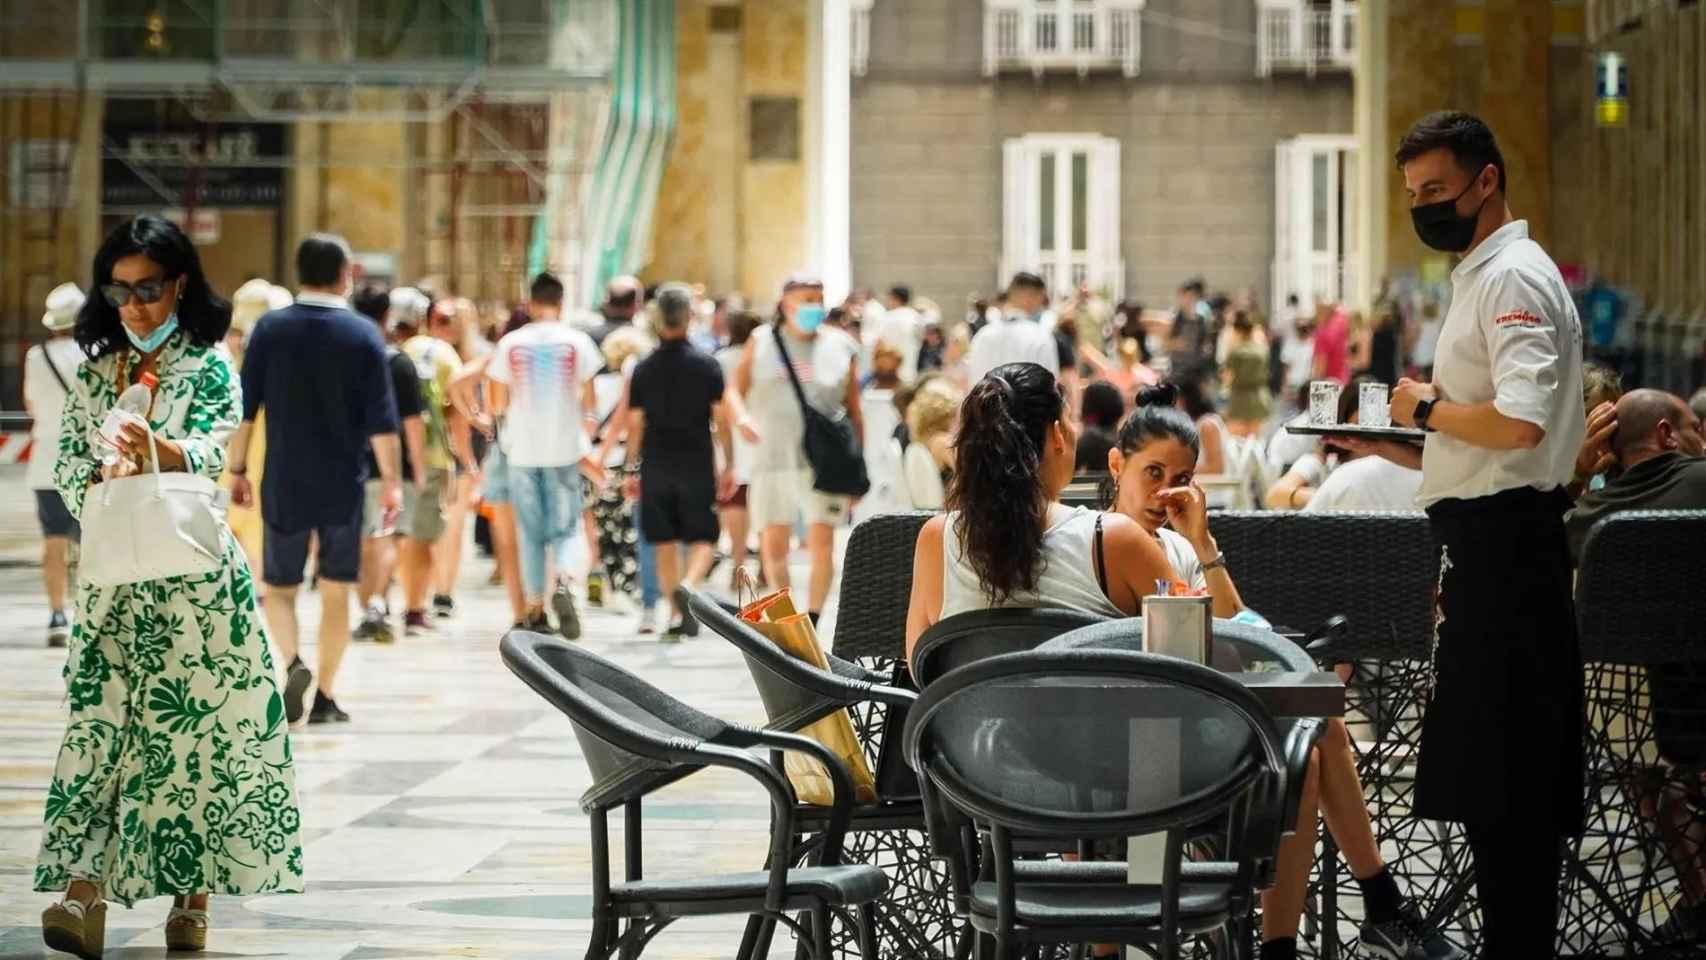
1659,446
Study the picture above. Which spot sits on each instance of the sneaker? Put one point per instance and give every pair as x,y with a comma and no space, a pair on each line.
58,629
382,631
688,625
672,633
443,606
415,624
648,620
326,710
536,623
595,590
563,605
1407,937
296,681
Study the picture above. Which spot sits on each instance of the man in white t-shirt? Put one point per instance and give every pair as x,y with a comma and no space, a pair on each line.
542,385
49,370
898,324
1022,335
1367,483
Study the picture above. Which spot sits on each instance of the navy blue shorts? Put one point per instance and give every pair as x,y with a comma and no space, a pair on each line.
285,555
55,520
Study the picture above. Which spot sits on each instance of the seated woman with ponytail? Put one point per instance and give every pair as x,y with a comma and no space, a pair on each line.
1153,464
1006,541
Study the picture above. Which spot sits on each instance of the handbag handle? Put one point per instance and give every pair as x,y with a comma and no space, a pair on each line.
154,459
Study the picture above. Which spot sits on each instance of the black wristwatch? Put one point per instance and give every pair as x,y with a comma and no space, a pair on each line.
1424,409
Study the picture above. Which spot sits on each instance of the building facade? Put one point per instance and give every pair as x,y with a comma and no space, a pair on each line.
1123,144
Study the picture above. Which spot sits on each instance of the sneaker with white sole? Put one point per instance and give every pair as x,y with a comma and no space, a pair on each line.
563,605
648,620
58,629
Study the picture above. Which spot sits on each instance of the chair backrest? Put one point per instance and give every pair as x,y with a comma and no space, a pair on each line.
1638,601
968,637
632,734
1378,570
1088,743
876,586
794,693
1237,647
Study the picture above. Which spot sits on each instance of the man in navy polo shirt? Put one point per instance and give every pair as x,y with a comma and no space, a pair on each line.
318,369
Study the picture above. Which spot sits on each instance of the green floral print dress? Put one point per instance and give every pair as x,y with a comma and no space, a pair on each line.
175,774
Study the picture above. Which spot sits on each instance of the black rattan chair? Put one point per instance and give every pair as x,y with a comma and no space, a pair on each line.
887,834
1378,571
1640,611
637,739
876,587
988,737
968,637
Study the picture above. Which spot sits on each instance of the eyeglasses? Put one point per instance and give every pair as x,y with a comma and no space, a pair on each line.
118,294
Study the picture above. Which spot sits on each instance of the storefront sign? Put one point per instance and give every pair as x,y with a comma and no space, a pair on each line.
216,165
1611,85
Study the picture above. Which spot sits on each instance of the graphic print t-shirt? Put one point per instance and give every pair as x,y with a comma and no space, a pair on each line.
544,365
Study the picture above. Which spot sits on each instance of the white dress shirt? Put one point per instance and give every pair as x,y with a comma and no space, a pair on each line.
1011,339
1511,337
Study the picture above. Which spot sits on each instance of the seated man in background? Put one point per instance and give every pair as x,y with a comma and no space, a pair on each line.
1659,447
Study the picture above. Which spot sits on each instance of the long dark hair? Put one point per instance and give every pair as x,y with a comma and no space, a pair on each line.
996,490
203,315
1155,415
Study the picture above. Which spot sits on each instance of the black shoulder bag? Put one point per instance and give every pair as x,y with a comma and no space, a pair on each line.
838,468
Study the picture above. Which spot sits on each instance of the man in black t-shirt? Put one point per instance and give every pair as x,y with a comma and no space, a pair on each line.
674,400
378,533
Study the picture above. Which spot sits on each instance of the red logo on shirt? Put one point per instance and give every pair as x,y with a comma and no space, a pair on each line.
1518,318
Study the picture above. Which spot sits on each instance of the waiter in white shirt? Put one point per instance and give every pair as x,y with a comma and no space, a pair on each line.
1502,737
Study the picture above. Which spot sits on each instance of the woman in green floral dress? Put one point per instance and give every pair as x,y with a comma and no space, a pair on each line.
174,778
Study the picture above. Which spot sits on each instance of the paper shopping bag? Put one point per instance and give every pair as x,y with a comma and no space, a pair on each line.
775,617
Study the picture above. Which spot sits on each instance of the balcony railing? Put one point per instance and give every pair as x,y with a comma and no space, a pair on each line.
1296,35
1055,35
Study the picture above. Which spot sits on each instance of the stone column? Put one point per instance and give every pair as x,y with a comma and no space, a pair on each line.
1515,74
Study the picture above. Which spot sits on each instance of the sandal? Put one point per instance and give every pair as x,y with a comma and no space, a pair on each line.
186,930
71,926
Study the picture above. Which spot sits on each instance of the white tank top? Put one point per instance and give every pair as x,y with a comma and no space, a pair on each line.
1066,579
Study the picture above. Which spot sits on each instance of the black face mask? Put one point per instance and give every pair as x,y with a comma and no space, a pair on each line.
1441,227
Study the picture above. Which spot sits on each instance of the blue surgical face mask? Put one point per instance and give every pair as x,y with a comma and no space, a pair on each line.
808,317
152,342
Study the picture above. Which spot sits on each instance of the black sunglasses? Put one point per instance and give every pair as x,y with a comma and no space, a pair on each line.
148,291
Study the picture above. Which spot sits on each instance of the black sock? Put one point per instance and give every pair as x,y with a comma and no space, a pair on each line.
1279,948
1380,896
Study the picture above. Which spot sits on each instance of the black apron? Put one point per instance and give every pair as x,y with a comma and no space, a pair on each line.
1502,736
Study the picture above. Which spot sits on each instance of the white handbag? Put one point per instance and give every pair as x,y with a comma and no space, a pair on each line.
152,526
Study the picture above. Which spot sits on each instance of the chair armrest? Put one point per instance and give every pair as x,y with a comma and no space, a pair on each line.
841,807
781,809
1266,834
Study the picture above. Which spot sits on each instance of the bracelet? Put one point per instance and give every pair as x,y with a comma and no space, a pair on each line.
1218,563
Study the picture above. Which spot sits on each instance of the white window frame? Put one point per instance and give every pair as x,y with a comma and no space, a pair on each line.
859,38
1075,35
1061,267
1294,35
1301,266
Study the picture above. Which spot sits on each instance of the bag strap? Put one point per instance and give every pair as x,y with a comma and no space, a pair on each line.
47,355
788,364
1101,560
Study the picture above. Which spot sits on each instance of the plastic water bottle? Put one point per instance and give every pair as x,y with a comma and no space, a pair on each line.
132,406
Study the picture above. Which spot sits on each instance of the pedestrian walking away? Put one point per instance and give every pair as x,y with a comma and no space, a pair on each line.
675,402
541,384
318,370
48,370
164,677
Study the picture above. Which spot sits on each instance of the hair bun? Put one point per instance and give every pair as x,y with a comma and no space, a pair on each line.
1164,394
